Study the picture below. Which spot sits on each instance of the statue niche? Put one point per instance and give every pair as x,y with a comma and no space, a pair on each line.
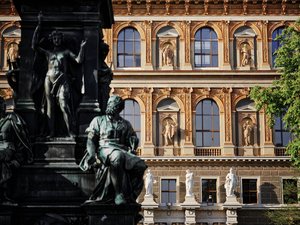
167,38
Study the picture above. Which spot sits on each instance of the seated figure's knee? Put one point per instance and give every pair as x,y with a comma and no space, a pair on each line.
116,159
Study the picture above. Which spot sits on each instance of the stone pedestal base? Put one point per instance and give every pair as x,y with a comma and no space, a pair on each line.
148,150
268,150
190,205
190,202
167,67
56,150
149,205
248,151
168,151
188,150
228,150
109,214
246,67
231,205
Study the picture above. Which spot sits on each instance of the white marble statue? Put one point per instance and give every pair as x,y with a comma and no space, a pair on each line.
149,181
189,183
230,183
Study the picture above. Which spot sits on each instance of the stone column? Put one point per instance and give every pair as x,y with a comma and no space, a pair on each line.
267,147
226,51
265,46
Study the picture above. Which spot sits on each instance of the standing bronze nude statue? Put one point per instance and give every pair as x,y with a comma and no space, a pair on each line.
57,81
112,142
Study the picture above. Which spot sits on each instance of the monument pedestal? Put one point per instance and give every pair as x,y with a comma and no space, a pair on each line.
6,212
149,205
248,151
231,205
110,214
56,150
190,205
168,151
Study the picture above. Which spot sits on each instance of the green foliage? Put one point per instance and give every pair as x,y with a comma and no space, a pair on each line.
286,216
283,97
289,215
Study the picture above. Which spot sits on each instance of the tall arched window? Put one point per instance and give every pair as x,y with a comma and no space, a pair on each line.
206,48
132,113
275,43
129,48
207,124
282,135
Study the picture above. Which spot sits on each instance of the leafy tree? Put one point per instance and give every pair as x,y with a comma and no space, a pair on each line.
283,97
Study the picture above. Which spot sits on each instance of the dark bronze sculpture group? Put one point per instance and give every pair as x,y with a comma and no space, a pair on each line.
111,141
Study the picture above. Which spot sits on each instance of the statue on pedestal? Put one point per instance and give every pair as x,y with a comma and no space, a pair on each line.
58,80
149,181
167,55
169,132
189,183
15,149
230,183
13,61
245,55
111,147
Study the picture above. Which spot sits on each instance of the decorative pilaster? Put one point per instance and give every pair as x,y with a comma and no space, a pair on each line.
188,148
187,58
265,45
267,145
148,149
228,145
226,57
148,28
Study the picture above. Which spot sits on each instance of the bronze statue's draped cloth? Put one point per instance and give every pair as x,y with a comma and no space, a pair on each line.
15,149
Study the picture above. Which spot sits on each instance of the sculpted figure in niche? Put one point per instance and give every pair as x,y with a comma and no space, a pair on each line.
13,61
167,55
247,132
168,132
13,56
230,183
189,183
58,80
149,181
245,55
15,149
111,146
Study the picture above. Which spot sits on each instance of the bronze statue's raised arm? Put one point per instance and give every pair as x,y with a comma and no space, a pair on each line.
36,36
80,56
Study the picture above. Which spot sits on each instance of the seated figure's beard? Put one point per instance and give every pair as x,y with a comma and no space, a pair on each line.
110,111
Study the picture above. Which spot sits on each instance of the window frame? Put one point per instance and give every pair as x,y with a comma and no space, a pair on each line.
277,42
282,188
258,194
134,115
217,178
201,53
177,189
281,131
202,131
134,54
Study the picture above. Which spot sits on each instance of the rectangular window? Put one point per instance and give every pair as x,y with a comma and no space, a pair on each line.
209,188
249,187
168,191
290,191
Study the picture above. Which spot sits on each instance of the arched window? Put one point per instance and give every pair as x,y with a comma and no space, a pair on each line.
275,43
132,113
206,48
207,124
129,48
282,135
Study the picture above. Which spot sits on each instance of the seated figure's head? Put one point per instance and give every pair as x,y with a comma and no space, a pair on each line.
115,105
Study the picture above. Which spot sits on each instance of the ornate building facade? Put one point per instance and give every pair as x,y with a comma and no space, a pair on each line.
185,69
